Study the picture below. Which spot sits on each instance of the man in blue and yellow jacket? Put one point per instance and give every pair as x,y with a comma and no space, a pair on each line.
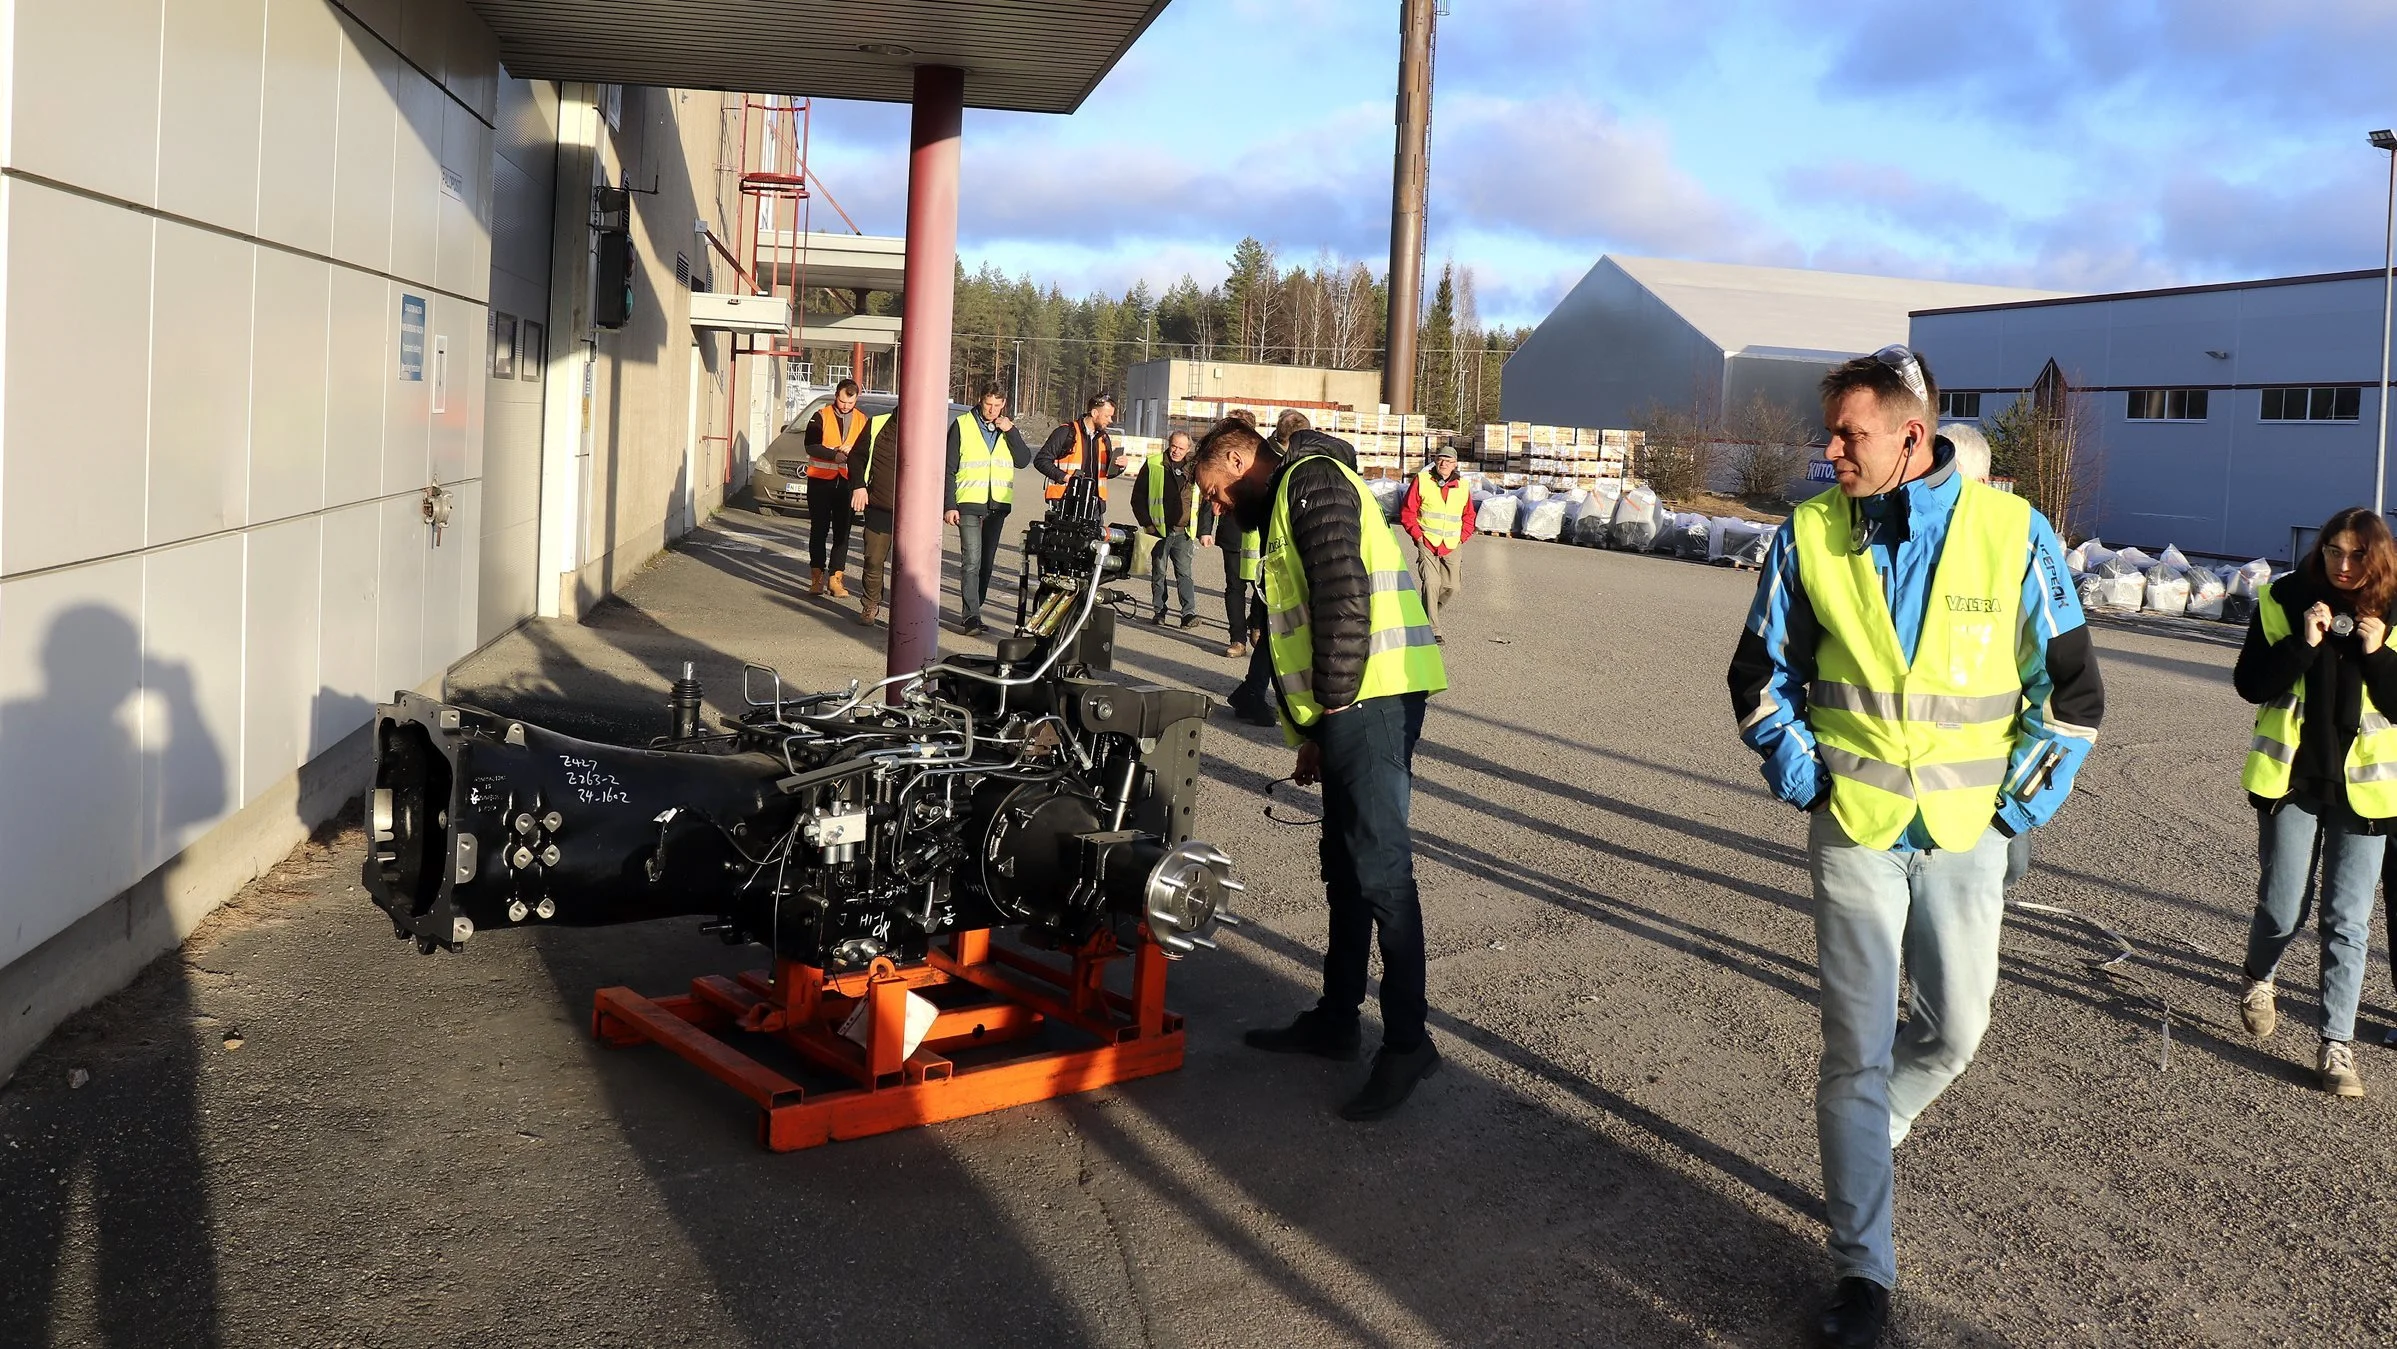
1353,665
1916,673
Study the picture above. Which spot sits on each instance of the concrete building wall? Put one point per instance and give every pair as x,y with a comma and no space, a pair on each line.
2233,483
211,556
1608,352
217,425
652,468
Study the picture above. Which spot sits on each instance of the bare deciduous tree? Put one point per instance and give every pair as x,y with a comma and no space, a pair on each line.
2047,442
1679,453
1768,446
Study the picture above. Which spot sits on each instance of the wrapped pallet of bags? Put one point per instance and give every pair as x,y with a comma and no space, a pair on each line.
2167,589
1586,521
1391,493
1741,543
1639,520
1692,535
2129,559
1494,512
2124,590
2173,557
1543,519
2091,589
1590,520
2251,578
2207,590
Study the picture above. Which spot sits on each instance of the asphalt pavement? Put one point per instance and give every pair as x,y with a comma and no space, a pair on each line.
298,1131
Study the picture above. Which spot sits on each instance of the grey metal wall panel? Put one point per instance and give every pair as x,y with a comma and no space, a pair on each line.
1608,352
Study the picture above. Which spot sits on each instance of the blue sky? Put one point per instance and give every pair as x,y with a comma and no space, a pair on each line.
2102,145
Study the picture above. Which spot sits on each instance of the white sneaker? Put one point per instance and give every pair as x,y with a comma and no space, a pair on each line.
2257,1009
2338,1069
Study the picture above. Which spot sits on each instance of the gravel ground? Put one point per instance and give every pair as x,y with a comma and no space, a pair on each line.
298,1132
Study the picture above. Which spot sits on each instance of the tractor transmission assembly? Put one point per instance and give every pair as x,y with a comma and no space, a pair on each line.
870,839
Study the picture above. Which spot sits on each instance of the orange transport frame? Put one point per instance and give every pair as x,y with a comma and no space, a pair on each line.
1010,994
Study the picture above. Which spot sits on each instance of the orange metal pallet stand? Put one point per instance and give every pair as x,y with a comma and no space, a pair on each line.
804,1007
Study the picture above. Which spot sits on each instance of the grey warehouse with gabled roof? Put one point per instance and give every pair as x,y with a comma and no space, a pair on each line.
2230,419
1638,333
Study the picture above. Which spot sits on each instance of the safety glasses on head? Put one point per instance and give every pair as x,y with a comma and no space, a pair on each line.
1910,369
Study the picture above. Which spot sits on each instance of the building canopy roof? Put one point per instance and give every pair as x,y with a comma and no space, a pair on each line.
1780,311
1023,55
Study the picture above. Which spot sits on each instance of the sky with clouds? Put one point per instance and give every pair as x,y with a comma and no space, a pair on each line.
2104,144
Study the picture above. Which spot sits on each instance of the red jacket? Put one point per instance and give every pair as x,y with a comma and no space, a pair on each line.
1411,514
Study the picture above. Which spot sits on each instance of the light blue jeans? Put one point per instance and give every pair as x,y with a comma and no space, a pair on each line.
1938,913
2350,860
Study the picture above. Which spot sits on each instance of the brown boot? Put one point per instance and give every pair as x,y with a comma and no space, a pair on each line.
865,616
840,586
815,581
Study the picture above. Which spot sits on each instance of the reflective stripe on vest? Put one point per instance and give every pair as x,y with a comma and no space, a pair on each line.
1071,462
985,473
1442,523
1932,738
1401,656
839,434
2371,768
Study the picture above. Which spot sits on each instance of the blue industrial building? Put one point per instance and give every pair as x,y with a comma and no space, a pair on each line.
2229,419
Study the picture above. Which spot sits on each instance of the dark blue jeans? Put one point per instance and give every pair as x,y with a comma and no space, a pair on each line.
1369,862
977,556
1256,687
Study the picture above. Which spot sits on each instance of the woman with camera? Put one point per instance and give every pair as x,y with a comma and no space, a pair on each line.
2322,768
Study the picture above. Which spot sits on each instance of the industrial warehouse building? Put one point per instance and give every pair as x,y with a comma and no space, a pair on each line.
1643,333
2229,419
310,386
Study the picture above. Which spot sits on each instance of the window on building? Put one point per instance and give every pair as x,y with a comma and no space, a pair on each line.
1962,407
2320,404
2168,405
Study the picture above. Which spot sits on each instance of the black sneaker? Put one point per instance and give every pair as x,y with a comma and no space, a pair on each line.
1395,1073
972,626
1312,1033
1190,620
1857,1313
1255,714
1157,619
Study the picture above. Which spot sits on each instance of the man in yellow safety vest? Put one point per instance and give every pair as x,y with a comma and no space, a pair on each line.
985,450
1438,516
1916,673
1353,664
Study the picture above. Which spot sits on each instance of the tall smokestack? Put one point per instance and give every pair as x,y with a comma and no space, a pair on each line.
1406,202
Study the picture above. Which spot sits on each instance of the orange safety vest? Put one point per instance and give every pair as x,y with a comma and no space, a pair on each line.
1072,464
820,463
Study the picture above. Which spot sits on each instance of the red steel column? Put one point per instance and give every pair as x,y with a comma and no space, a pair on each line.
924,364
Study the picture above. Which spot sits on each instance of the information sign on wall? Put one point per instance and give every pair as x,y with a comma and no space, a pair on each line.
411,344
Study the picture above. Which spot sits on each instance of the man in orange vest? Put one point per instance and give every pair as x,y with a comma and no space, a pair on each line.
838,428
1077,445
1438,516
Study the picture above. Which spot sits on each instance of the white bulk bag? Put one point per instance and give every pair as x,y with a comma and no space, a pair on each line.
1639,519
1740,541
1494,512
2167,590
1543,519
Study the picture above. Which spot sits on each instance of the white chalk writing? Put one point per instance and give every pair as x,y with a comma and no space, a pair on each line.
592,784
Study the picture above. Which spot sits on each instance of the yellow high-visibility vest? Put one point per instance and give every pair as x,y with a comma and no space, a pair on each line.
1401,655
1933,737
1441,519
985,471
1152,476
2371,768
